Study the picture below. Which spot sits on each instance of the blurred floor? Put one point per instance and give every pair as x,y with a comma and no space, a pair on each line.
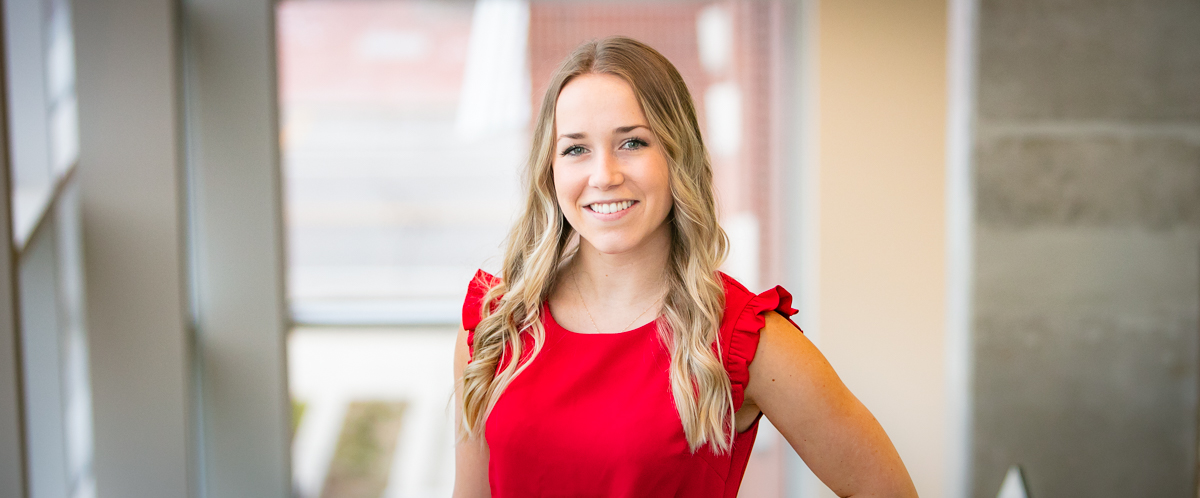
331,368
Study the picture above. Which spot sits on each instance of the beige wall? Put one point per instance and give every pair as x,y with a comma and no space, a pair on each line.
881,93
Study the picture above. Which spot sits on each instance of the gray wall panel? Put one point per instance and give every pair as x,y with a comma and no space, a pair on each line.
1092,179
1089,59
1087,288
1086,360
237,239
131,192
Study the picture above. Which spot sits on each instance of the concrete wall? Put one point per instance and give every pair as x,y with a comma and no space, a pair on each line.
1087,244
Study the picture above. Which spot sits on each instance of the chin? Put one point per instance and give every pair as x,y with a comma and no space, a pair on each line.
612,245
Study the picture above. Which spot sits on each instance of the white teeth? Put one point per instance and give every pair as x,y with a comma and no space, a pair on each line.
611,207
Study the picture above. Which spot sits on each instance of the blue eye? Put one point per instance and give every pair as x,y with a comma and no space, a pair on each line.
573,150
634,144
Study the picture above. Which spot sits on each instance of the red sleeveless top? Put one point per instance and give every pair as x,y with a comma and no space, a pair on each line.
593,414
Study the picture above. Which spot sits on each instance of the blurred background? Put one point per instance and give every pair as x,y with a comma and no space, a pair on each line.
242,230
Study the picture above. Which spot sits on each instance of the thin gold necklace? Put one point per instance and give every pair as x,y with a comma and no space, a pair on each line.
575,281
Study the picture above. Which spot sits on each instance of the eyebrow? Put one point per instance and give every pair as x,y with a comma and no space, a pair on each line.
621,129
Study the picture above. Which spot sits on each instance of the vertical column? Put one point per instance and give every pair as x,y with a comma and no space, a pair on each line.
800,202
237,239
960,237
131,189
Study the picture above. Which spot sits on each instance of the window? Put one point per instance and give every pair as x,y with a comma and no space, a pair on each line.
43,135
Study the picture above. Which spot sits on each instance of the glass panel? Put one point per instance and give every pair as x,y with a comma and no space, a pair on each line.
44,145
395,193
60,86
405,125
58,405
28,118
41,354
58,409
43,118
76,381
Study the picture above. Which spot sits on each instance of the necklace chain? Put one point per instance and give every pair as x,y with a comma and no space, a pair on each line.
575,281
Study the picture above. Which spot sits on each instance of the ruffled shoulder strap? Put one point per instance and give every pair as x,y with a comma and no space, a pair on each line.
744,319
473,304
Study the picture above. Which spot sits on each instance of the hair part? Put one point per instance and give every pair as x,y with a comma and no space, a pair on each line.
537,249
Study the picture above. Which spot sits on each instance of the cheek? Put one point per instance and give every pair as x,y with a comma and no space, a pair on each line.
563,191
667,201
662,184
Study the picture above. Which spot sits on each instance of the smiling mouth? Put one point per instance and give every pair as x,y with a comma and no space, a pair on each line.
610,207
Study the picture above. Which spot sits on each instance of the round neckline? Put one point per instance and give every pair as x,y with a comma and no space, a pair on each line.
552,323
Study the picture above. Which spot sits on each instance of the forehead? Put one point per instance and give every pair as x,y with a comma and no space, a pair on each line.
596,102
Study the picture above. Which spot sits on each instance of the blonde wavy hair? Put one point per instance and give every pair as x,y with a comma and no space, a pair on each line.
537,249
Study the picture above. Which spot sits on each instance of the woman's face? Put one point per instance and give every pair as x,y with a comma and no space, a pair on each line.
610,171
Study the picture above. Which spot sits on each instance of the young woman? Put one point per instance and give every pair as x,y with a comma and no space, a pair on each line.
610,357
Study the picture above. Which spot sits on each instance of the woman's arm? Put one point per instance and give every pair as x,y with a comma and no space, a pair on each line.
843,444
470,455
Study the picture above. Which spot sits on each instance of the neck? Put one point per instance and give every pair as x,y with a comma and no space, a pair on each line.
629,278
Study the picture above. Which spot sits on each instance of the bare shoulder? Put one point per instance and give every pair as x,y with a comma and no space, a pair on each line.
786,357
781,344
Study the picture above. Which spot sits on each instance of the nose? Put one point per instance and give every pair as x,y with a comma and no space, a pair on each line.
607,173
